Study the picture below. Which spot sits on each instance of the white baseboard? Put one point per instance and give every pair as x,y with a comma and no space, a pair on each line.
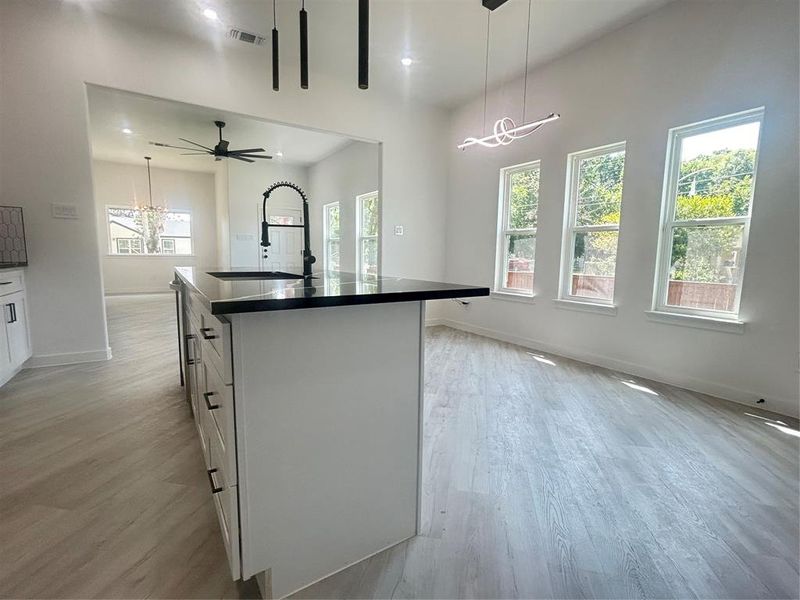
694,384
67,358
138,292
434,322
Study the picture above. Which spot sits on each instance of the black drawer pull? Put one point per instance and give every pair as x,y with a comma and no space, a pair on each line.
203,331
191,361
214,488
210,406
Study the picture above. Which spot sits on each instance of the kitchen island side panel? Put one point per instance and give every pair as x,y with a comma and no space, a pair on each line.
328,415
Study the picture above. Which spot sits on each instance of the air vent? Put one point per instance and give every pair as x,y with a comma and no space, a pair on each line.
246,36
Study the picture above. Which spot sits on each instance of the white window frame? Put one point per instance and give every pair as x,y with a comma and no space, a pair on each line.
359,234
669,223
130,246
110,245
326,237
570,229
503,230
163,249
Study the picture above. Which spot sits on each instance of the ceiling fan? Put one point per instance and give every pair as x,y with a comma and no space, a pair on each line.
219,151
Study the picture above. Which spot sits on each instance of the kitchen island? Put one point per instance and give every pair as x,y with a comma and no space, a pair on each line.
308,395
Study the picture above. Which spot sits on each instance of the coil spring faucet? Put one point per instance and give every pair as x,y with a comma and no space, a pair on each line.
308,258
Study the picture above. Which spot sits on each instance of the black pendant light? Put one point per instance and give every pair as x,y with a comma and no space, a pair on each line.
276,82
363,44
303,45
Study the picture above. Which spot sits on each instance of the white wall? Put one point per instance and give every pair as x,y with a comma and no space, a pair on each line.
48,50
340,177
686,62
117,184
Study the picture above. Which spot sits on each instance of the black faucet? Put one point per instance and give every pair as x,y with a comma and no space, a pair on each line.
308,258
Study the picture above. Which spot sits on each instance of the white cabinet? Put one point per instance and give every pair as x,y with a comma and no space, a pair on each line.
15,347
17,328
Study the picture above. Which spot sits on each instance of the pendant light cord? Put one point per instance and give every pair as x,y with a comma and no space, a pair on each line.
274,15
486,73
527,48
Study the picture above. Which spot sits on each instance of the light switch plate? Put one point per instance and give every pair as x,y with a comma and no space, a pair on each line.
64,211
398,230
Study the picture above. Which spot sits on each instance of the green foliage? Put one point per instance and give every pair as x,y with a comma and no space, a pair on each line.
721,173
600,189
333,222
711,186
524,200
599,203
369,216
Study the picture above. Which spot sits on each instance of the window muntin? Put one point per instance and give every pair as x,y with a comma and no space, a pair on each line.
135,232
332,237
708,197
516,240
367,228
592,215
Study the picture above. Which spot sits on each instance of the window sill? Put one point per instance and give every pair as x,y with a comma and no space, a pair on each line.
710,323
511,296
586,306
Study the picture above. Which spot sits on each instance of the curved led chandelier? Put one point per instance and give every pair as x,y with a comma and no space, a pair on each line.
505,129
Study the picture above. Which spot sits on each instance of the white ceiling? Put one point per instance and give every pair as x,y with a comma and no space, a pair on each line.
445,38
153,119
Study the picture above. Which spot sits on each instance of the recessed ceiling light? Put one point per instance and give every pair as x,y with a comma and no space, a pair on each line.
279,154
210,13
406,61
127,131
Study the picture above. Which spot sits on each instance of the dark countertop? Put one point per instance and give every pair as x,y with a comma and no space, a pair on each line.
332,288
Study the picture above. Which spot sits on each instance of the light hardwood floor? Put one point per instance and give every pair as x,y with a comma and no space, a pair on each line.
543,477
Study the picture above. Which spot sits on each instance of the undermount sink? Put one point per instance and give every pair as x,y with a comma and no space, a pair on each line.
253,275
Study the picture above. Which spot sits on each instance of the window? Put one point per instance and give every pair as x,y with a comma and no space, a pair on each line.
331,235
367,233
591,223
132,231
708,199
167,245
516,240
129,246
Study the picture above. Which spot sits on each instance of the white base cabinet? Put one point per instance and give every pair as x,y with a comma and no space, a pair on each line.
310,427
15,346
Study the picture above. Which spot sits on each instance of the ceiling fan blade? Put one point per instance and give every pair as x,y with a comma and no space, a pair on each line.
251,155
242,159
246,151
163,145
196,144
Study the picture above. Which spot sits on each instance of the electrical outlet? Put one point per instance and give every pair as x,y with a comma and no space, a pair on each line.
64,211
398,230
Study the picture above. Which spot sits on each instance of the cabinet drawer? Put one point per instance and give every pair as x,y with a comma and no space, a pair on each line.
216,338
10,282
217,404
226,502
